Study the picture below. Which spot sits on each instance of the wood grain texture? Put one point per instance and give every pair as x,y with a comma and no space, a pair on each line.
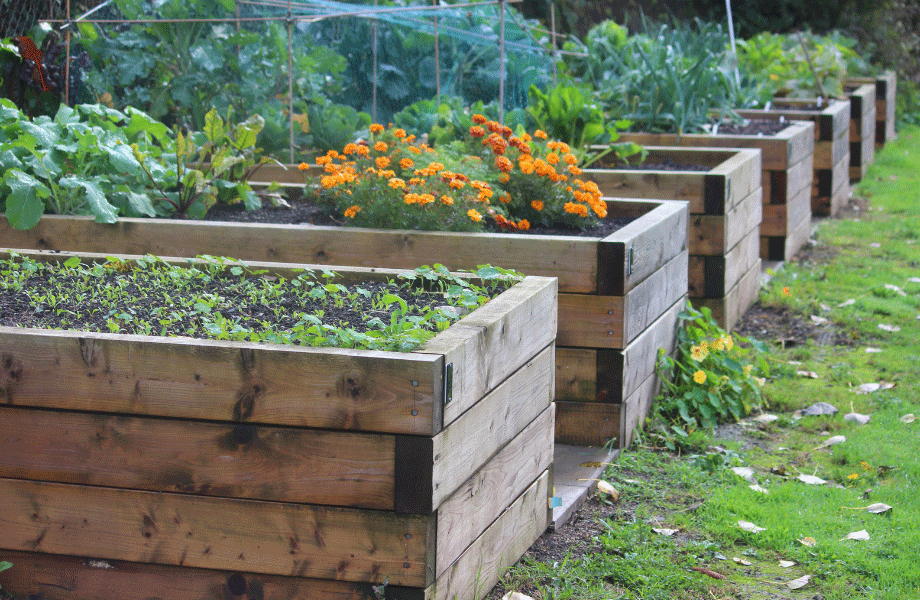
589,423
231,381
495,340
780,219
637,361
830,190
576,374
214,459
483,497
715,235
713,276
215,533
727,311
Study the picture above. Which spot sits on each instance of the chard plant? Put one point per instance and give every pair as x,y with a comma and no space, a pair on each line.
217,298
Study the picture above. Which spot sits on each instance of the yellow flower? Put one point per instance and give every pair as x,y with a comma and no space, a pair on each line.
729,343
718,345
865,466
699,353
747,370
699,377
853,476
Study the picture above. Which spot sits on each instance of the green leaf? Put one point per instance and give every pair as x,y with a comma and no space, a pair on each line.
246,133
213,125
122,158
72,262
142,122
141,204
24,206
98,205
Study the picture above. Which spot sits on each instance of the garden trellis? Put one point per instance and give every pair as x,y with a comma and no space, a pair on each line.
495,54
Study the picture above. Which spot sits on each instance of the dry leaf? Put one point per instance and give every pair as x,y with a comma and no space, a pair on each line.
516,596
760,489
808,541
861,536
908,418
868,388
664,531
794,363
873,350
846,303
798,583
889,328
914,280
832,441
708,572
878,508
741,561
785,564
766,418
747,473
811,374
896,289
819,320
857,418
608,490
811,480
750,527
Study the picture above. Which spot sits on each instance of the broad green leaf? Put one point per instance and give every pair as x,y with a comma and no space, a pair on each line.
247,132
24,206
122,159
141,121
213,125
98,205
141,204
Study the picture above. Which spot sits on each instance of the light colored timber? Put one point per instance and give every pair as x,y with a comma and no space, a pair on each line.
830,189
461,449
728,268
780,219
214,459
614,321
715,235
784,248
477,571
481,498
727,311
589,423
640,357
495,340
636,408
778,151
215,533
576,374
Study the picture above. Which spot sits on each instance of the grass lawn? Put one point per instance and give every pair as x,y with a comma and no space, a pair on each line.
674,530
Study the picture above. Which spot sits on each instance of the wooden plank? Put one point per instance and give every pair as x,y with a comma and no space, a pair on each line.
779,219
54,577
614,321
829,153
213,459
830,190
477,571
830,121
787,147
588,423
483,497
636,408
215,533
468,443
713,235
570,258
728,310
637,361
712,276
634,252
495,340
233,381
576,374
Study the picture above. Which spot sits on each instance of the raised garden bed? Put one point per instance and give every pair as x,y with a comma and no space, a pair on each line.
832,146
203,469
885,103
862,128
725,204
619,294
786,163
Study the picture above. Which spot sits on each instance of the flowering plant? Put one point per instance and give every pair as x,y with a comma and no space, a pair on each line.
714,376
490,179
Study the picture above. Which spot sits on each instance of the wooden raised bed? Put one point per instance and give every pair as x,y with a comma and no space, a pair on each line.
786,162
885,102
725,215
612,290
200,469
832,146
862,128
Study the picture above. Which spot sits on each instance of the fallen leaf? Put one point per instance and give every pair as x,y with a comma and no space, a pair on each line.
719,556
516,596
760,489
811,480
794,363
766,418
819,320
741,561
746,473
832,441
878,508
810,374
895,289
868,388
873,350
608,490
594,465
889,328
875,245
824,307
712,574
750,527
785,564
914,280
861,536
857,418
849,302
664,531
798,583
908,418
808,541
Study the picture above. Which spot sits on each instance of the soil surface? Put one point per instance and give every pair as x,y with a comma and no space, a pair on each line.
666,164
752,127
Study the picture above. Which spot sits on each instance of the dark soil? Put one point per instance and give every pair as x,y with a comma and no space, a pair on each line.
666,164
307,213
752,127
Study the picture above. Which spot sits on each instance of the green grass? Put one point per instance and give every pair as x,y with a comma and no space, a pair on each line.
860,256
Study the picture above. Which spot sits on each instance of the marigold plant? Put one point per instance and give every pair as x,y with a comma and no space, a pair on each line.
492,179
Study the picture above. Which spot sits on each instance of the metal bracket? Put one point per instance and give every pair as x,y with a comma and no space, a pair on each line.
448,382
629,261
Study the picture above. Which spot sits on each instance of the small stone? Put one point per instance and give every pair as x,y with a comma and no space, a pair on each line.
820,408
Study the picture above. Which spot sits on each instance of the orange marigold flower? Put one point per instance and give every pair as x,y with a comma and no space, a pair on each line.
330,168
600,208
410,138
506,131
552,158
415,149
424,199
477,132
304,166
786,291
576,209
456,184
493,126
526,137
523,224
539,133
474,215
537,205
563,148
503,164
376,128
400,133
570,158
504,178
479,119
447,200
411,198
330,181
362,150
396,183
406,163
574,170
351,211
505,199
527,167
382,161
416,181
380,146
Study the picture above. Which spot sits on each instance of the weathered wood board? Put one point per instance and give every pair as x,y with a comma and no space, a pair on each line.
862,128
885,104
